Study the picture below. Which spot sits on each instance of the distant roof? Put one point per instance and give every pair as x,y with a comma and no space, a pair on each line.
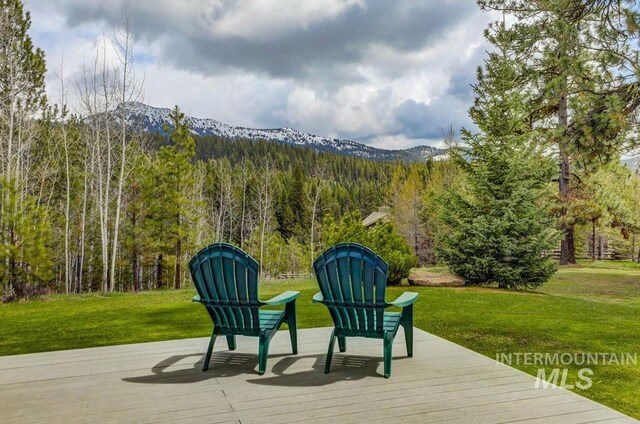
380,215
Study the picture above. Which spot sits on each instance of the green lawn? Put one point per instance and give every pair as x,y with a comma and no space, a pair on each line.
591,308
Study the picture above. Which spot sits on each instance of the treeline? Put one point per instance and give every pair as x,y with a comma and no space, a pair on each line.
88,205
178,194
362,183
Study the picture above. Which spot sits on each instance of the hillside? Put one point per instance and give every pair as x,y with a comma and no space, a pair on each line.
145,118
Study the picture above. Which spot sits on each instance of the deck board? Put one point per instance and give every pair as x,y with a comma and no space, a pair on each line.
163,382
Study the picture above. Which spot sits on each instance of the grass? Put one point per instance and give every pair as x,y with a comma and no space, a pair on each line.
590,308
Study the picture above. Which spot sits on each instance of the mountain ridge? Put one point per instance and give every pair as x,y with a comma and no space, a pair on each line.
146,118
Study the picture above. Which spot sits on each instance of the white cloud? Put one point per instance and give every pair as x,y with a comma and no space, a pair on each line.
268,20
239,99
339,68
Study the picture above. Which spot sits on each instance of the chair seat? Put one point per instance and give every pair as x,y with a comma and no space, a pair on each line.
270,319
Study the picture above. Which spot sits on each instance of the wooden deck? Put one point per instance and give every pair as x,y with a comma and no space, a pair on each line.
163,382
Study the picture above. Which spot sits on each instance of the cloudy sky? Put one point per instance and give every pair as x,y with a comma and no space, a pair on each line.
391,73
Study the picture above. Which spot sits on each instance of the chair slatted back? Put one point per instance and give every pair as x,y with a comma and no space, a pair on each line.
226,279
353,280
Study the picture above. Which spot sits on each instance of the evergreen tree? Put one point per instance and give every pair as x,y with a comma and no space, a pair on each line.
25,257
22,95
139,196
299,203
499,229
582,60
292,209
24,233
174,178
284,209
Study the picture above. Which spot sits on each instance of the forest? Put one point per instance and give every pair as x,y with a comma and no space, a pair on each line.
89,204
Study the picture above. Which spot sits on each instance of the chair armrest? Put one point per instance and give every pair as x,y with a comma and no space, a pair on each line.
405,299
318,298
196,298
282,298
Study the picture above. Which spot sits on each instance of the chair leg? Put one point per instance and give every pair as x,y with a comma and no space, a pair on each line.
207,357
290,314
342,344
388,346
332,342
407,325
231,342
263,353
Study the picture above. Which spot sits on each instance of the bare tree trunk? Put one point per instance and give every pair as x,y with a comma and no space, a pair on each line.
593,239
10,130
105,172
159,272
263,227
124,47
265,207
99,88
135,269
178,273
415,228
67,206
315,203
567,246
600,248
244,203
83,219
135,254
312,241
230,209
89,86
219,232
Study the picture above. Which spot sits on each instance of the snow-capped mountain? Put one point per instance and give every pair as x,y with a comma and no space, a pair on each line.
142,117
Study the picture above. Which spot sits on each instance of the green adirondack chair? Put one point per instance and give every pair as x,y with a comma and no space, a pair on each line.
353,280
226,279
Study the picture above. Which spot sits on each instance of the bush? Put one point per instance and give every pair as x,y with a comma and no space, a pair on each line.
382,238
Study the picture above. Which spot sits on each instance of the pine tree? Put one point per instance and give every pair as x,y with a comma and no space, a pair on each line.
299,203
174,178
25,257
24,236
499,229
292,209
582,60
22,95
284,209
138,197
